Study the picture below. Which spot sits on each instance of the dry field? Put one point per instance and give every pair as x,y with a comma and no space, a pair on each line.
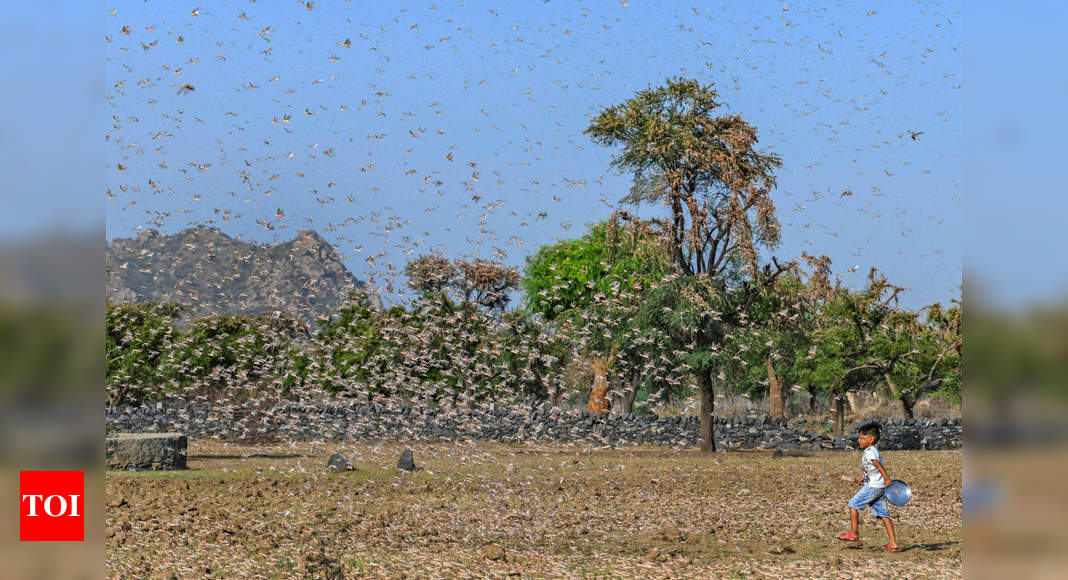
495,510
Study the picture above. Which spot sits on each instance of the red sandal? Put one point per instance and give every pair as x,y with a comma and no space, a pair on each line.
848,536
887,547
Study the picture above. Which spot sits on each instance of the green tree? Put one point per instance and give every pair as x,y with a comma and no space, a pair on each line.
780,322
139,339
444,346
590,287
531,356
843,354
705,168
764,347
692,315
353,345
570,276
238,357
918,356
717,186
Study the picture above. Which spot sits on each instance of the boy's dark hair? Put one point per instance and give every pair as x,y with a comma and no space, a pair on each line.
871,429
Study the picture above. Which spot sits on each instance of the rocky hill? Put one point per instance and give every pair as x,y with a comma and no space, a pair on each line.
210,272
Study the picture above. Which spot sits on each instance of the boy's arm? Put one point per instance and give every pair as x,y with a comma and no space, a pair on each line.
879,465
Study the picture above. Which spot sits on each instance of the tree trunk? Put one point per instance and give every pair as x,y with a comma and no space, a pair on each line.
554,395
774,392
631,391
708,402
839,415
599,403
906,407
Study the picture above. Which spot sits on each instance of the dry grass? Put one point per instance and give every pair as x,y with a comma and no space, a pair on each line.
528,510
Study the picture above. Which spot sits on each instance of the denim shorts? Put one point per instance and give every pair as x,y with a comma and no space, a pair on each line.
871,496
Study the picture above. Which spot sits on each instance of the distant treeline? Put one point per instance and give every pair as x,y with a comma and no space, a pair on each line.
603,309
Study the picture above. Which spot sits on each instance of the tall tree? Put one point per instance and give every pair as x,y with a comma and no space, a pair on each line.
717,186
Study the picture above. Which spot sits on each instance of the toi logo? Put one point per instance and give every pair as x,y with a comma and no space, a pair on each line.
51,506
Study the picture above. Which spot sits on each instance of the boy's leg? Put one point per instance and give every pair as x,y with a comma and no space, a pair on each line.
859,502
879,508
889,523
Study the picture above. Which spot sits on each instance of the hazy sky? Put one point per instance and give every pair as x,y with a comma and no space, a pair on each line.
453,126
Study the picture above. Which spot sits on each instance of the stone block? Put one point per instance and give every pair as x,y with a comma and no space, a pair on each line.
150,451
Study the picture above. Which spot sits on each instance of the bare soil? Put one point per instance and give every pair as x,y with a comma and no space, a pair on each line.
496,510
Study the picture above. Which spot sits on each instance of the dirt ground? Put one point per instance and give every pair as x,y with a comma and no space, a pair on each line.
496,510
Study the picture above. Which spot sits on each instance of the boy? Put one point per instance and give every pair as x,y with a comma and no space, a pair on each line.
872,494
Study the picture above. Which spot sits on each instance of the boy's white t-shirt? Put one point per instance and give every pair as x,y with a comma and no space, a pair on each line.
872,476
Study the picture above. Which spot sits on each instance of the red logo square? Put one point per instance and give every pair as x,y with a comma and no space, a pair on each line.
52,506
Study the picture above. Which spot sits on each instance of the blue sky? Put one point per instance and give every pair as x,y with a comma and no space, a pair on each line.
51,170
1014,133
452,127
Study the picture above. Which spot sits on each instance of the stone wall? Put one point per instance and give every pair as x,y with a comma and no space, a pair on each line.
346,420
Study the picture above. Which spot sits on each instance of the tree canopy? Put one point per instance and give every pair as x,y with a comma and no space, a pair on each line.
704,167
573,275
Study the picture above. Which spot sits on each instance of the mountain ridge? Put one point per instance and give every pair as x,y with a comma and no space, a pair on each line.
210,272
